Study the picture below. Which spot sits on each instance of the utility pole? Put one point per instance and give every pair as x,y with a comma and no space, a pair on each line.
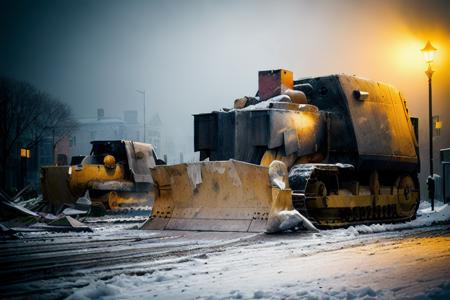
143,93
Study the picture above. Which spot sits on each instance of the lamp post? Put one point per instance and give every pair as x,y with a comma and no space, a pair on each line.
143,93
428,53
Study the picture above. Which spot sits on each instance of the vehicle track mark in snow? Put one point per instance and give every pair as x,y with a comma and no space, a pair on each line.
381,261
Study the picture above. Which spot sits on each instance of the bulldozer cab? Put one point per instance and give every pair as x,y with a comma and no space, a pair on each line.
137,158
100,149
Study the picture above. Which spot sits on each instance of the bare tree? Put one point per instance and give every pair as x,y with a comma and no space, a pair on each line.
27,115
56,122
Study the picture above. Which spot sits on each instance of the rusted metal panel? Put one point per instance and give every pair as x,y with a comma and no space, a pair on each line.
291,143
205,132
260,132
309,127
246,134
274,82
380,122
326,94
140,160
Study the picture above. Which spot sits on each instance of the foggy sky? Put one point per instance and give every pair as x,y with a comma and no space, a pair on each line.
198,56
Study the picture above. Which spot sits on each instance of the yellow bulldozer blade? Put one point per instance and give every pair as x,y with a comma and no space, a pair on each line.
55,186
211,196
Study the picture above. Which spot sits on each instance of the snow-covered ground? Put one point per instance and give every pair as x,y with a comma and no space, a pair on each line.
117,261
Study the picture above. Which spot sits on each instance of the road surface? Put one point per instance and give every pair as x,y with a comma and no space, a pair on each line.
118,261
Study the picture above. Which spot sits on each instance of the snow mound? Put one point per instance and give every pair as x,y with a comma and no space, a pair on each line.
425,218
283,220
310,293
286,220
95,290
263,104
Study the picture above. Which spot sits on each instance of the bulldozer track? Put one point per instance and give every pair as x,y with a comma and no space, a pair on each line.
312,198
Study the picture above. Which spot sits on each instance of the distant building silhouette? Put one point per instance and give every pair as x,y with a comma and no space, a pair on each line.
113,128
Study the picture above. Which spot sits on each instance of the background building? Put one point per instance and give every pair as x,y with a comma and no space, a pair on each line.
113,128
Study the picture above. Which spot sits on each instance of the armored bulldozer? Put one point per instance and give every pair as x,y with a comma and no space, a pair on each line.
116,174
349,144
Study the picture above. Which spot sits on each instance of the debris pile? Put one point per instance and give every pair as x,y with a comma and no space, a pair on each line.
29,215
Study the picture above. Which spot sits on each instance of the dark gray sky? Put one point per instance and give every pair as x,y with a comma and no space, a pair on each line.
196,56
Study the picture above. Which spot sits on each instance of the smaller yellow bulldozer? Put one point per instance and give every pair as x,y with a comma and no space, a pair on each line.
115,175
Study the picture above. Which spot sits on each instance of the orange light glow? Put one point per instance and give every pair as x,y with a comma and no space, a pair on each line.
23,152
404,55
428,52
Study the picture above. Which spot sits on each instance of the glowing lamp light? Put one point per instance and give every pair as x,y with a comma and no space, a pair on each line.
428,52
25,153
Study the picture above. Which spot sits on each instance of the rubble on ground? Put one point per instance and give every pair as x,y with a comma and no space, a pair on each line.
17,215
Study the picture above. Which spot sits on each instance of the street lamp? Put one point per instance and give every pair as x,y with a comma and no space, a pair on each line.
428,54
143,93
